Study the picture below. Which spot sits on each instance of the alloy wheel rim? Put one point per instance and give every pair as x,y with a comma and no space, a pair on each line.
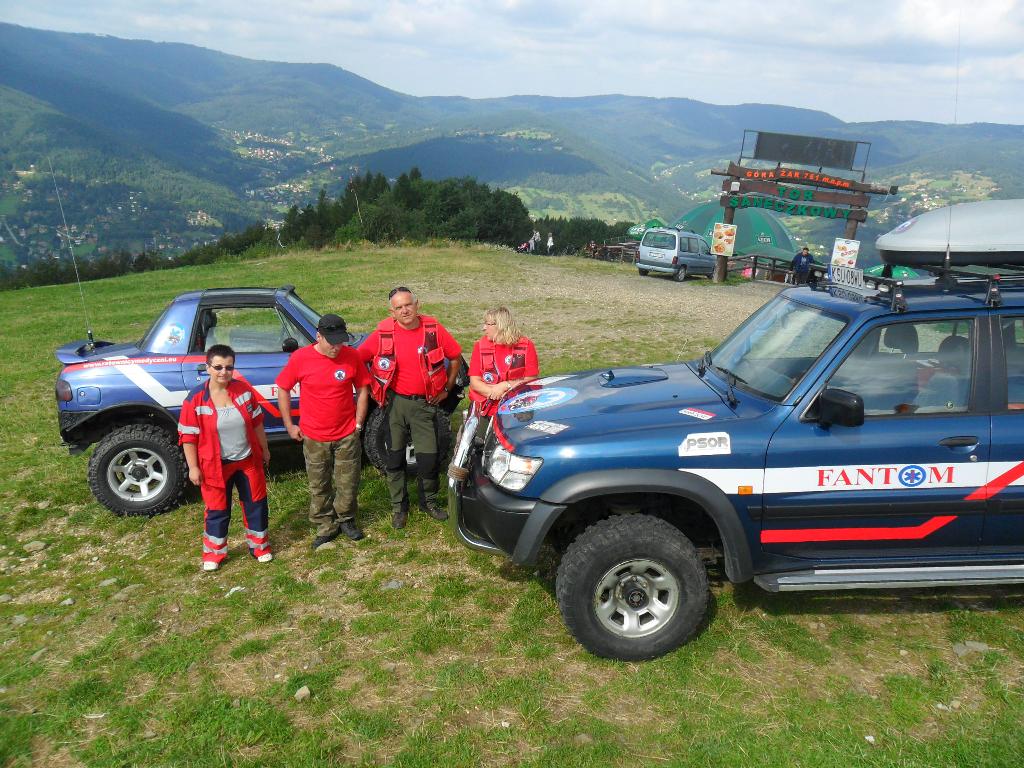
636,598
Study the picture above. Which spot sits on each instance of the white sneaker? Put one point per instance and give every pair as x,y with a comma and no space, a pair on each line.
209,565
265,558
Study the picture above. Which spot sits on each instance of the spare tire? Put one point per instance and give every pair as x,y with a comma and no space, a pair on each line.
375,436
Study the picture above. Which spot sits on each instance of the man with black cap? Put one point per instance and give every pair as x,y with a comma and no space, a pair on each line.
328,372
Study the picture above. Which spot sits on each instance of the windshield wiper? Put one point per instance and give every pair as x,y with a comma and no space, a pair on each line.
704,364
731,379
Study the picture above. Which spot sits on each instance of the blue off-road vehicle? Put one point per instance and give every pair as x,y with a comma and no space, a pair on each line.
862,433
126,398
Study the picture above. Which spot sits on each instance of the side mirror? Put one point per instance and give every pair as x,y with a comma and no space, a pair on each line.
289,345
837,406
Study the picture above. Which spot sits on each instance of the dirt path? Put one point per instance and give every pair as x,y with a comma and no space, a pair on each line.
564,304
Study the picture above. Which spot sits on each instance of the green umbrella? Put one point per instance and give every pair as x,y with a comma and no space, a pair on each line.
637,230
757,231
898,272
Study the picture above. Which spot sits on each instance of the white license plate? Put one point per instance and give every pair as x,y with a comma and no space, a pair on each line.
848,277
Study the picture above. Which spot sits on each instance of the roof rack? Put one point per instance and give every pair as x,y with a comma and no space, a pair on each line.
891,291
991,275
888,290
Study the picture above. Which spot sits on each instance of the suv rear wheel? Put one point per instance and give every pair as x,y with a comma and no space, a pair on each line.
632,587
138,469
643,272
680,274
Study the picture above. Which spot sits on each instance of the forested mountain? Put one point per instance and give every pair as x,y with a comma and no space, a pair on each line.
160,146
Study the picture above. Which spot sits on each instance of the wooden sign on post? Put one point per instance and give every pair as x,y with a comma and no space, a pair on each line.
799,194
791,208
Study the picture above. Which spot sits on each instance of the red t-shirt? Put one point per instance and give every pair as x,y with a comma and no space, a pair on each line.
408,378
503,352
326,386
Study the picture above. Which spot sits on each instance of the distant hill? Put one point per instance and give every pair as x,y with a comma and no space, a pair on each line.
163,145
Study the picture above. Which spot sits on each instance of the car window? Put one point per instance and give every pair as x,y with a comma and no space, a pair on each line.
1013,348
911,368
248,329
660,240
691,244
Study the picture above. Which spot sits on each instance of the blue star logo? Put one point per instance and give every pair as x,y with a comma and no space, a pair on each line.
912,475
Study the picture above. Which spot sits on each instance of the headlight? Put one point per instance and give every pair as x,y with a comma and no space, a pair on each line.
510,471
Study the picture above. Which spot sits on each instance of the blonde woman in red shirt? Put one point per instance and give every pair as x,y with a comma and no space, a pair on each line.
502,359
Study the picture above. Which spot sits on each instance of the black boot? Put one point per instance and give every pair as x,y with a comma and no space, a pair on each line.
432,508
400,515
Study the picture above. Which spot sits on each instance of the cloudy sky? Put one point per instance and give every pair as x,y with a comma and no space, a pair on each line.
867,60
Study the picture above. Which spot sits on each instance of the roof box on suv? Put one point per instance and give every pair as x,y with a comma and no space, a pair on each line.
981,233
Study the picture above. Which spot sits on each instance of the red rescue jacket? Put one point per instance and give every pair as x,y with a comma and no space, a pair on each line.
198,424
384,363
491,375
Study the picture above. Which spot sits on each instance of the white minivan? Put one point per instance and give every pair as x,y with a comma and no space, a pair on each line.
675,252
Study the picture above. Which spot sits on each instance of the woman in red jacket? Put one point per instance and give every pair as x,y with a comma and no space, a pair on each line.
221,432
503,358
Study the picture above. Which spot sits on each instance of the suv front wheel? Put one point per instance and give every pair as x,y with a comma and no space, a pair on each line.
632,587
138,469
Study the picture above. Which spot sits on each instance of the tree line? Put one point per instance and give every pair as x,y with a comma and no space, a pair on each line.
412,209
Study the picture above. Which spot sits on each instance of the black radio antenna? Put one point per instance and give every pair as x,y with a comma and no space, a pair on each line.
74,262
956,116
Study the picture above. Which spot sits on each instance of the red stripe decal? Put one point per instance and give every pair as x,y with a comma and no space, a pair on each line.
990,489
499,433
800,535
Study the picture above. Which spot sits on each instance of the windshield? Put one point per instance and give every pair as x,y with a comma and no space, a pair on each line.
776,345
310,314
150,338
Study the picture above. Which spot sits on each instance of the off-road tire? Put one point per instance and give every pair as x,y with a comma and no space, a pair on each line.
631,541
643,272
680,274
155,452
376,428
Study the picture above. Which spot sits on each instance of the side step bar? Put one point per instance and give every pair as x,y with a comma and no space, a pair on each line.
890,578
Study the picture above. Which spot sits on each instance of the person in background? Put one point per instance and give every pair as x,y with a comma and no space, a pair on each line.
414,362
220,430
801,266
551,243
333,399
502,359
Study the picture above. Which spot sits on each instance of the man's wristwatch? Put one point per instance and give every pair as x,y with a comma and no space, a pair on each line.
358,426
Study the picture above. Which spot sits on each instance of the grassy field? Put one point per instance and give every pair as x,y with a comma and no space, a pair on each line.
118,651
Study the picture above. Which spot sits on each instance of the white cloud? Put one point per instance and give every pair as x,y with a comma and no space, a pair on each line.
869,60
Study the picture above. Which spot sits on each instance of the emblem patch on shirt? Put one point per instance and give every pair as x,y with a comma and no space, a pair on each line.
340,374
489,378
384,363
508,359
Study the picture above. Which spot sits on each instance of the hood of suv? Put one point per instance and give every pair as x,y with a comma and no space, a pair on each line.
613,400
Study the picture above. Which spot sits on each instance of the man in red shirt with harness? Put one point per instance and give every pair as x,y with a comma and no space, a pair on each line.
407,356
328,372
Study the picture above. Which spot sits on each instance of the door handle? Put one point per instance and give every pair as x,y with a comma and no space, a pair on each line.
962,441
